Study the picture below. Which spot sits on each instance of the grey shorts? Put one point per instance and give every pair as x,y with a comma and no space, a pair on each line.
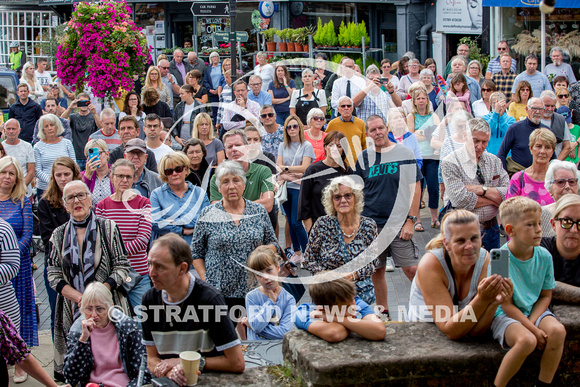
500,324
404,253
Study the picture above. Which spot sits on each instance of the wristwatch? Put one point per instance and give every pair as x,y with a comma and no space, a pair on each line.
484,191
201,364
413,218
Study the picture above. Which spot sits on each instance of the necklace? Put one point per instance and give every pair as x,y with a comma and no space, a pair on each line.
349,235
172,314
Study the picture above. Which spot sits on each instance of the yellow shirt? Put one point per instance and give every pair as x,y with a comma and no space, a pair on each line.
518,111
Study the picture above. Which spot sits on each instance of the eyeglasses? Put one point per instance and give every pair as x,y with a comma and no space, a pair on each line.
295,126
164,67
502,48
123,177
338,198
178,169
567,224
71,198
255,84
98,309
564,96
537,108
345,106
318,118
562,182
486,90
269,115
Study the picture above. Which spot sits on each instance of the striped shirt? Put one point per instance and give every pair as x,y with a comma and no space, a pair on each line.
112,141
134,220
44,156
9,266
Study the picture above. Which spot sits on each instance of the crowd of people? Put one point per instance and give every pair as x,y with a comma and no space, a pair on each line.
168,201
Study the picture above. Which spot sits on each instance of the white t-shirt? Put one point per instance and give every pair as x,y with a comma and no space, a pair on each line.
24,154
45,78
160,152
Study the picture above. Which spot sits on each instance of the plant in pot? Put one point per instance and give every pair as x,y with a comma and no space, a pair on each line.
269,35
330,35
318,36
343,35
308,31
289,34
282,44
362,31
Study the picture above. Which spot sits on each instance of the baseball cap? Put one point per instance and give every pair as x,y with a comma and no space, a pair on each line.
136,144
565,111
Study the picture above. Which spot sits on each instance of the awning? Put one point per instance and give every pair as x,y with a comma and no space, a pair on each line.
529,3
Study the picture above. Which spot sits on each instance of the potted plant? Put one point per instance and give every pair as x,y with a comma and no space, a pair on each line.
307,31
317,38
283,35
269,35
288,36
343,35
331,40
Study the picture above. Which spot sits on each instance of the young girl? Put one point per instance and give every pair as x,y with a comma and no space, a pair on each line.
458,89
269,307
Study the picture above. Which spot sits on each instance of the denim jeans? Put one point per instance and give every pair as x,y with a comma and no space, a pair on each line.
82,163
281,117
136,295
429,169
297,231
490,237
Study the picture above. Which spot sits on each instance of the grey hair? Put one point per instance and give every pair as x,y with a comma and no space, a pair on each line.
534,99
260,53
123,163
235,132
414,61
307,71
256,76
266,106
214,53
343,98
479,125
548,94
410,54
107,112
229,167
50,118
372,69
311,114
73,182
332,189
460,116
427,71
97,292
459,57
556,48
496,96
478,63
556,165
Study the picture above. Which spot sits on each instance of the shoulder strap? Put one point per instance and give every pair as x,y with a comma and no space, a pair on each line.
522,181
450,267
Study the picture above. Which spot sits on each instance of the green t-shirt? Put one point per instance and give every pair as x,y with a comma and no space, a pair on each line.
575,132
258,181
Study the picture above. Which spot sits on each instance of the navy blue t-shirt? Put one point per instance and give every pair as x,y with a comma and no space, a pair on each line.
387,177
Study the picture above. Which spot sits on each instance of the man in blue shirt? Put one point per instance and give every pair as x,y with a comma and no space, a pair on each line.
494,67
26,112
257,94
537,80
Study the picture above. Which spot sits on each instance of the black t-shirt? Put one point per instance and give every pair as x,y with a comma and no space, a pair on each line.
316,177
81,128
384,185
199,323
565,270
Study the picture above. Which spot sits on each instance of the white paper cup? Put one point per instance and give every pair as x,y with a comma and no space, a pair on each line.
190,363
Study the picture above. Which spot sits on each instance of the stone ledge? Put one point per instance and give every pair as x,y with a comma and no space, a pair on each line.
415,354
257,376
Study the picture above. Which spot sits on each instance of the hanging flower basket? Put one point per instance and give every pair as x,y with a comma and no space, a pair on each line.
102,49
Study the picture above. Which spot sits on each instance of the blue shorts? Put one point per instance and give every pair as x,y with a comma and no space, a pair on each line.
500,324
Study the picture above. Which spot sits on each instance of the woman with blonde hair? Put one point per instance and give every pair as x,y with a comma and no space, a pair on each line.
203,129
29,78
15,208
153,79
518,107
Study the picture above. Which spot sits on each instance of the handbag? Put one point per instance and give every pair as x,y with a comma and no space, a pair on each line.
287,270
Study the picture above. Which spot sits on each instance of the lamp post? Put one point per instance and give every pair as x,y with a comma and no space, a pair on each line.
233,42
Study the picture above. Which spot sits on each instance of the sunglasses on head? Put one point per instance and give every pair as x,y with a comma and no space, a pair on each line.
178,169
295,126
270,115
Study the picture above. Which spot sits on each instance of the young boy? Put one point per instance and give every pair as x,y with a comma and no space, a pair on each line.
335,311
524,322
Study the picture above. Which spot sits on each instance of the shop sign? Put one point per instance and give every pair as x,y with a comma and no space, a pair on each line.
239,36
459,16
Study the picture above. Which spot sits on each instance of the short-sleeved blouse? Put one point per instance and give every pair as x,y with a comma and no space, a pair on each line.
530,188
212,149
281,92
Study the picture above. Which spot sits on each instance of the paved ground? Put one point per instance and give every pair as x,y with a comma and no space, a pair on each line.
397,282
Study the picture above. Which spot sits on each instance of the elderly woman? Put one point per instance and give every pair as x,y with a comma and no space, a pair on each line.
310,206
518,107
29,78
295,154
97,174
264,70
176,204
342,235
85,249
15,208
196,152
50,146
281,89
200,94
315,135
152,104
434,93
132,213
564,246
482,106
452,278
153,80
204,130
211,81
561,179
530,181
102,349
474,70
305,99
226,234
52,213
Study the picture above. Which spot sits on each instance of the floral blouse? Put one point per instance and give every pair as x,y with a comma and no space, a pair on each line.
226,247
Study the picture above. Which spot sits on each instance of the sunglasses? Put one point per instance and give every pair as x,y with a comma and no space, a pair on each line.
318,118
269,115
564,96
345,106
488,90
562,182
295,126
163,67
567,224
338,198
502,48
178,169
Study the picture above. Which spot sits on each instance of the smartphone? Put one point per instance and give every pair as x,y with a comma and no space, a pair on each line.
384,80
93,154
83,103
500,262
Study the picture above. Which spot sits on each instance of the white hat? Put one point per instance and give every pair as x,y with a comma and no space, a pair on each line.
14,44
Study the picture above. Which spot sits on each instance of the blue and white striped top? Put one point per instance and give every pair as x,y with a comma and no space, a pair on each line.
44,156
9,267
